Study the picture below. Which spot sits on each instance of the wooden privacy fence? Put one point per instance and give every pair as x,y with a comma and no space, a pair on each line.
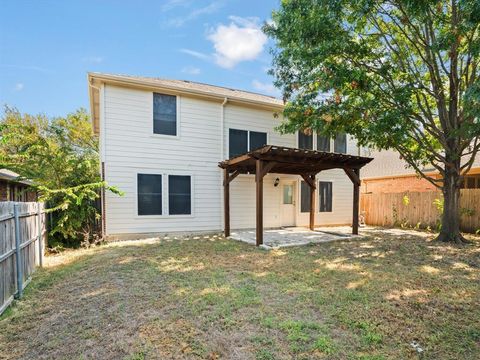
418,209
22,245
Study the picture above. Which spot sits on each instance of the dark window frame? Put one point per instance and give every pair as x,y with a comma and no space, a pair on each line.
329,147
327,204
248,138
140,211
190,189
154,119
165,196
345,145
305,207
301,133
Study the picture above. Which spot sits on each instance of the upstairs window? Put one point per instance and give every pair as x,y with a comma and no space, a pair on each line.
325,193
164,114
149,192
323,143
305,141
242,141
257,140
341,143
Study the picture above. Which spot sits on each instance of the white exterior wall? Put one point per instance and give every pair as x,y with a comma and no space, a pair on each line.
128,147
387,163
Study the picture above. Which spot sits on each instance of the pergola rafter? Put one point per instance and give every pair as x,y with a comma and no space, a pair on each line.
284,160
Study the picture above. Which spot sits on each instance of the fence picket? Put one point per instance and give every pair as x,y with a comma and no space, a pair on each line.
19,255
379,209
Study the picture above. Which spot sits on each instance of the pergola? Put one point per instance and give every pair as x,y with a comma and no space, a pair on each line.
284,160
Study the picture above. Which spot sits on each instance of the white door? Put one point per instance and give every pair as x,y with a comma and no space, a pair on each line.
288,204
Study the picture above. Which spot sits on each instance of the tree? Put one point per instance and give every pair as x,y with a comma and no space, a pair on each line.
398,74
60,157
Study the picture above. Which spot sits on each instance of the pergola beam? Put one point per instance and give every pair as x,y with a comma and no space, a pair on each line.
282,160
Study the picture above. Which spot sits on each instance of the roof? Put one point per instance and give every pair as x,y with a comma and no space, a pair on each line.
10,175
293,161
212,92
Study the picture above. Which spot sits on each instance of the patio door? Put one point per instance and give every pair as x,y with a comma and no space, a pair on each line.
288,203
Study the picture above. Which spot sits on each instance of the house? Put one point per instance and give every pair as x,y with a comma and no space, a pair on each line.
12,189
161,142
388,173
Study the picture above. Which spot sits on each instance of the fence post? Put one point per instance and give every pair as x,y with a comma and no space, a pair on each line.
40,236
18,252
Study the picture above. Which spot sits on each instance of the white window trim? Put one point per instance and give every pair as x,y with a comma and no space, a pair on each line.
248,138
178,119
165,198
333,202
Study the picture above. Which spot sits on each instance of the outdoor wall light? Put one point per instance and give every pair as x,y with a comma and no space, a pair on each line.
275,183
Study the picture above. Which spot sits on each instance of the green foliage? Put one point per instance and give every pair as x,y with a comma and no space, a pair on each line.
399,75
60,157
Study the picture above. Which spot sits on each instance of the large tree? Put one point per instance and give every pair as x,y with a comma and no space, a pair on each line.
60,157
399,74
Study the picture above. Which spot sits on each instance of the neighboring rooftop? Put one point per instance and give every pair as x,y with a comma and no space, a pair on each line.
10,175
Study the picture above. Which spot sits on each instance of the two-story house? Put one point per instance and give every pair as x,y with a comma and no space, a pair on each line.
161,142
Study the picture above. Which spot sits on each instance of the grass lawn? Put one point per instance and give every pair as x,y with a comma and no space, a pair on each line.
213,298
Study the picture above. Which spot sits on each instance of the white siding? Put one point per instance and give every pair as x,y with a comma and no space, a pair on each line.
130,147
389,163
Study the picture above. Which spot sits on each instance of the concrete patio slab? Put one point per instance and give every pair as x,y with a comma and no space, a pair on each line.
294,236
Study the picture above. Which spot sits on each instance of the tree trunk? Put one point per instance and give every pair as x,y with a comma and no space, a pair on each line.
450,231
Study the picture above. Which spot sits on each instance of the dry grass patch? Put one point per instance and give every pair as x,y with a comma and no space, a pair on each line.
210,298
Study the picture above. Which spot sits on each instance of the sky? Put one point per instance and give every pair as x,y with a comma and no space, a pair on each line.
47,47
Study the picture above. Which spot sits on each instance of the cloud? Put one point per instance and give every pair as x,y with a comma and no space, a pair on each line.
195,54
172,4
193,14
241,40
93,59
191,70
18,87
266,88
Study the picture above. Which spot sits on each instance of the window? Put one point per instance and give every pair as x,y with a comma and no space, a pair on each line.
325,191
179,195
237,142
305,141
323,143
242,141
149,191
288,194
304,197
257,140
341,143
164,114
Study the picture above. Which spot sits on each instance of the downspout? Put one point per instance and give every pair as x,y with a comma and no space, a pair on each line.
222,153
222,129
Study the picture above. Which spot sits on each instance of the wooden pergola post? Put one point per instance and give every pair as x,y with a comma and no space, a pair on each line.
356,202
262,167
226,203
354,175
227,179
310,180
290,161
259,202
